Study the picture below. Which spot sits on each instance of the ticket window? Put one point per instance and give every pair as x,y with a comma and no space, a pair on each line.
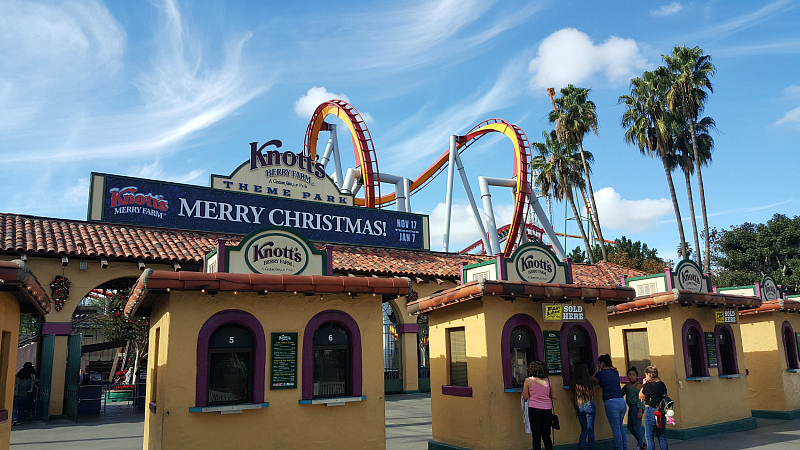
790,347
521,355
578,349
693,345
332,361
230,366
727,352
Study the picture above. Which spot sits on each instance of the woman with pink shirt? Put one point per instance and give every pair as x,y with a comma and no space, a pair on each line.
536,391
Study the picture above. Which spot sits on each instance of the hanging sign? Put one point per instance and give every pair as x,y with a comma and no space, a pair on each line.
552,351
283,370
688,277
534,262
711,349
271,251
135,201
769,290
563,313
725,316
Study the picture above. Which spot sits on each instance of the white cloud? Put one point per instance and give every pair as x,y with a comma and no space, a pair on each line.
307,104
791,118
154,171
617,213
667,10
569,56
792,91
748,20
463,230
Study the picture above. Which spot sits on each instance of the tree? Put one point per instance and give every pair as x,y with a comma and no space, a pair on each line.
636,255
686,157
692,71
559,171
575,116
117,327
749,252
646,120
577,255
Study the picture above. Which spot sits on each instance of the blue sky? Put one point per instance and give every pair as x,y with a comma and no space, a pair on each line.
176,91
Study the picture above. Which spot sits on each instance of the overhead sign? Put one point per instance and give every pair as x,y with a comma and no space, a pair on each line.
271,251
725,316
688,277
282,174
563,313
769,290
535,262
136,201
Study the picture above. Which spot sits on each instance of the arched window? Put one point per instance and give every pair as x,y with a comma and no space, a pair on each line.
578,346
231,360
230,366
726,350
521,343
331,356
789,346
331,361
694,350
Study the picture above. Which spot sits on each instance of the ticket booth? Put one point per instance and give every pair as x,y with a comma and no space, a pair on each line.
483,334
693,336
770,337
20,292
277,355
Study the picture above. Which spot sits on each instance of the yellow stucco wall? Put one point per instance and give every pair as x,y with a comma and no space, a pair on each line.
771,387
696,403
9,335
285,423
492,418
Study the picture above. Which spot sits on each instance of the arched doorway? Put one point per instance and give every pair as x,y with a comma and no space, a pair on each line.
424,354
392,351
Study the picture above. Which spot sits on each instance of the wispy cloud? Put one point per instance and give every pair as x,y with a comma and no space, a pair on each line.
750,19
734,211
783,47
570,56
791,118
792,91
667,10
180,93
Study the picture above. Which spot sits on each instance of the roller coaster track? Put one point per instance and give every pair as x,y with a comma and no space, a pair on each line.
367,160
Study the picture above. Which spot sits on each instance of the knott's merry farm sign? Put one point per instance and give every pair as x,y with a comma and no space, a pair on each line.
688,277
284,190
272,251
532,262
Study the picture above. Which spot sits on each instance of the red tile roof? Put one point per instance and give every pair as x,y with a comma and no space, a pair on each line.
244,282
15,277
549,291
684,297
602,273
784,305
401,262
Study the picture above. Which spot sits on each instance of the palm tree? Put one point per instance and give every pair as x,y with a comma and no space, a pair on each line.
559,170
575,116
647,126
683,145
692,70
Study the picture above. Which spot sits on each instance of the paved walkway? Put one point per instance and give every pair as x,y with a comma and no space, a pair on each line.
408,427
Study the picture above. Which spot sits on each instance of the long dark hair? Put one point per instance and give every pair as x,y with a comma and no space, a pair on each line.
581,386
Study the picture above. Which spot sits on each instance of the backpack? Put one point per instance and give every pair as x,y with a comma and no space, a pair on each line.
666,404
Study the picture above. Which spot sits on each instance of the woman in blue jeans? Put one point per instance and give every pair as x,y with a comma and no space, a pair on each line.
607,377
653,391
635,407
581,392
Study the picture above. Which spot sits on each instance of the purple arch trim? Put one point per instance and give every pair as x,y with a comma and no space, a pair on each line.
349,324
718,329
219,319
691,323
789,348
527,322
566,327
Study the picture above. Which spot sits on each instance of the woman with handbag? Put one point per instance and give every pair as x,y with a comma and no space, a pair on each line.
653,391
581,392
536,391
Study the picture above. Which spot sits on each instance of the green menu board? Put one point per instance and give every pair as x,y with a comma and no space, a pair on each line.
552,352
711,349
283,371
797,338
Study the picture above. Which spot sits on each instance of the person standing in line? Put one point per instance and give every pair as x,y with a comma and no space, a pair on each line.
536,391
581,392
653,391
25,380
635,407
607,376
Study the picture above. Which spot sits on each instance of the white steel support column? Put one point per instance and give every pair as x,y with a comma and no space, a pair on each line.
449,195
347,185
333,148
475,213
407,188
548,228
486,196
